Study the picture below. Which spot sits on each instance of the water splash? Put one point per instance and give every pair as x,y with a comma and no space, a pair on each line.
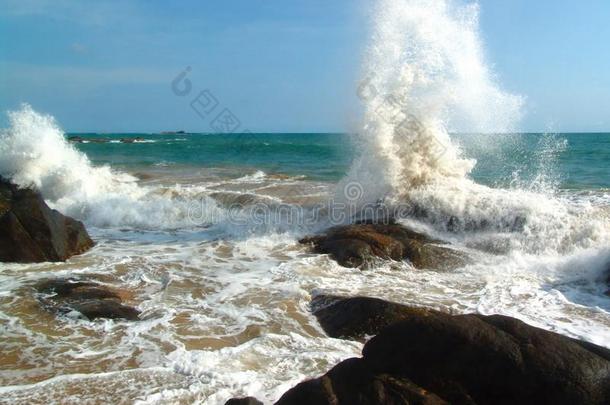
425,74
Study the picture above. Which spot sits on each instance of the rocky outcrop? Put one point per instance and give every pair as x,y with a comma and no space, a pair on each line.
358,317
434,358
91,299
80,139
131,140
30,231
353,382
361,245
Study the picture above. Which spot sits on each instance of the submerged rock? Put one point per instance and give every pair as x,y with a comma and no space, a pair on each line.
30,231
92,300
360,245
131,140
434,358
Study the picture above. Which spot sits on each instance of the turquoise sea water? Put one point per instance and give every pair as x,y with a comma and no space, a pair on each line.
568,161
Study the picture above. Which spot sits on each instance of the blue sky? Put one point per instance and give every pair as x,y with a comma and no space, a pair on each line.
277,65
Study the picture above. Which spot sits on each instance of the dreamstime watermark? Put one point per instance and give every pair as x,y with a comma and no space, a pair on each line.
219,117
406,125
350,209
205,103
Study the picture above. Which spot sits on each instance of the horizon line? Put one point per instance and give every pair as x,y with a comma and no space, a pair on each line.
179,132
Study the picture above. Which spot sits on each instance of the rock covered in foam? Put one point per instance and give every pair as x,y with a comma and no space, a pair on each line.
359,245
92,300
434,358
30,231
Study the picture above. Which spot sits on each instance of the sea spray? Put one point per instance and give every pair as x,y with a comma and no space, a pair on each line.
35,153
425,75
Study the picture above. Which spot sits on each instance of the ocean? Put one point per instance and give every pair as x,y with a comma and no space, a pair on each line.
203,229
226,305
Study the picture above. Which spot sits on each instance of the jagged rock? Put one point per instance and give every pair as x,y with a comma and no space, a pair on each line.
431,357
30,231
361,244
92,300
244,401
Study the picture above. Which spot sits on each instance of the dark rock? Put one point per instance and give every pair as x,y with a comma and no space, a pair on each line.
430,357
491,360
131,140
352,382
80,139
361,245
244,401
358,317
30,231
92,300
105,308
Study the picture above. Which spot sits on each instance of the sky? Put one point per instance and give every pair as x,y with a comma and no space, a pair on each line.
275,65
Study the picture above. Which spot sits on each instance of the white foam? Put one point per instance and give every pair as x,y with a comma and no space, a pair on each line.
424,65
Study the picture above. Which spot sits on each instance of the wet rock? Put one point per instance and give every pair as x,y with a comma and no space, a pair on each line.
131,140
30,231
244,401
358,317
430,357
491,360
352,382
362,245
91,299
80,139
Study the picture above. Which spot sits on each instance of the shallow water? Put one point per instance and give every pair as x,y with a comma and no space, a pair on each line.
226,312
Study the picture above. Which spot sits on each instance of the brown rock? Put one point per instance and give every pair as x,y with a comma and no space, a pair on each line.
30,231
362,244
92,300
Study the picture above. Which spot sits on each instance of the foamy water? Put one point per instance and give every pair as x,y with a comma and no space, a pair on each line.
224,291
